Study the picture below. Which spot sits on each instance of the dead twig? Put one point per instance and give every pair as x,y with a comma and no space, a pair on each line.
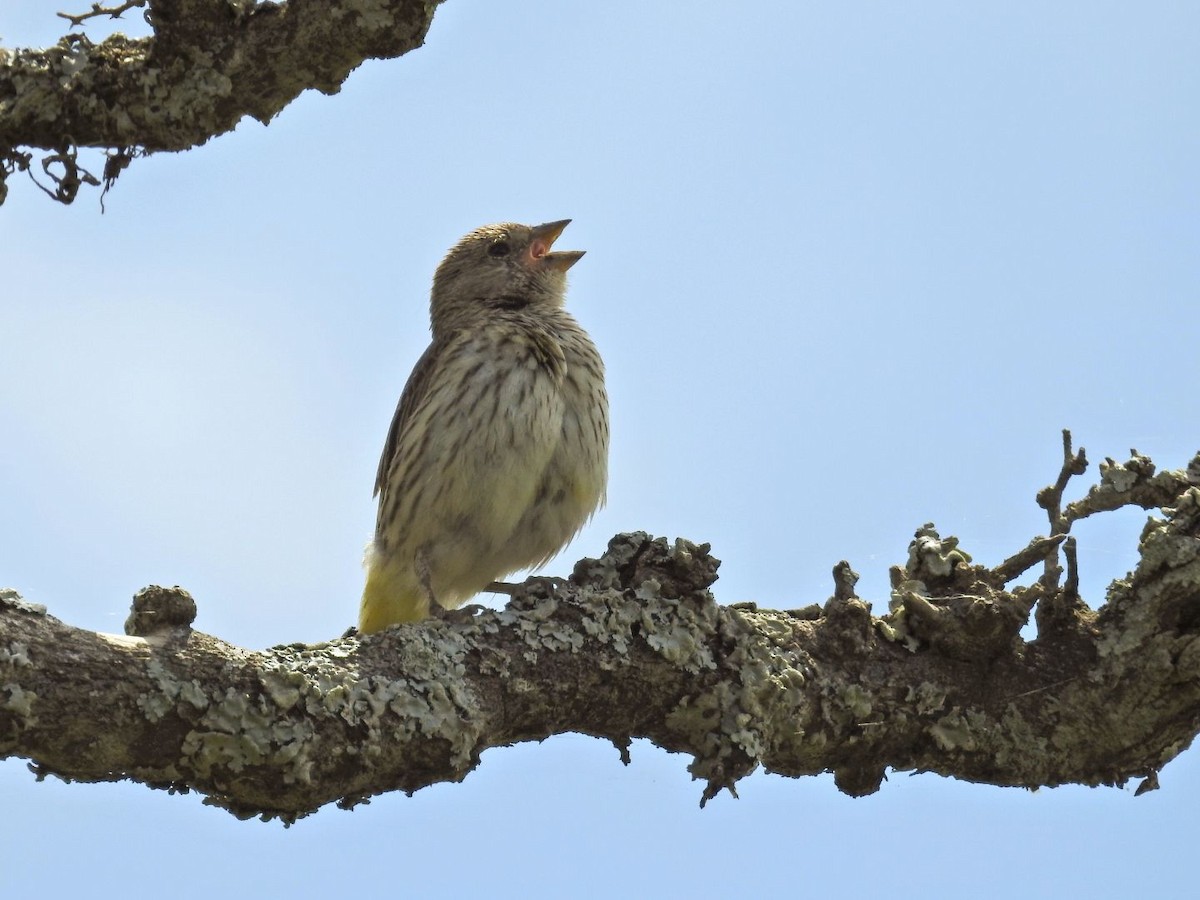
113,12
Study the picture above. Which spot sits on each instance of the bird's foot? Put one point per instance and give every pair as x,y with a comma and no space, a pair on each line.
539,584
459,616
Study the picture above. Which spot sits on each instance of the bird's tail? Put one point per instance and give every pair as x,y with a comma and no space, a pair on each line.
391,596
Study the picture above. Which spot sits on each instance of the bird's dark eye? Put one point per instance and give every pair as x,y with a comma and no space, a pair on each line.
499,248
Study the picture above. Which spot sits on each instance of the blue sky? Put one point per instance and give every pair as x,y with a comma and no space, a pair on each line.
852,268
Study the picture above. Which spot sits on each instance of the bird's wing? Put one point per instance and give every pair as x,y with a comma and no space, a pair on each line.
414,392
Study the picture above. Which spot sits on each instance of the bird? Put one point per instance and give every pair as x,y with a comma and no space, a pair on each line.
497,454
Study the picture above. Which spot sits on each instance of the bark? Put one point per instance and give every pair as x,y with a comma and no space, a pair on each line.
634,645
208,64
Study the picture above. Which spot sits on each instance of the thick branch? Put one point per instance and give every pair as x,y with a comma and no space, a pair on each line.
209,64
635,646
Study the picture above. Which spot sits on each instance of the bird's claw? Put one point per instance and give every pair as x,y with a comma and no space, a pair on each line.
548,585
459,616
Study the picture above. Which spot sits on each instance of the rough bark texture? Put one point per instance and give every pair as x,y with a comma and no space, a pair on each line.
208,64
634,645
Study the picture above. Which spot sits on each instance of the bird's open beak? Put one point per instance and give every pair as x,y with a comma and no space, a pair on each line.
543,238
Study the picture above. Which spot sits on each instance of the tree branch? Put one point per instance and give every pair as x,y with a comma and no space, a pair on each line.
209,64
634,645
113,12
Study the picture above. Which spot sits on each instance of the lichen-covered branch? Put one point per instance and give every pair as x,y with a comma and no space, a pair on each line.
634,645
208,64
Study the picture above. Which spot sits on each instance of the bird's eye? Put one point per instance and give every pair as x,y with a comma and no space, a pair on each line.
500,248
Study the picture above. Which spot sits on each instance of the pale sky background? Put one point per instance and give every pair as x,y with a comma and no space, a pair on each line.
852,268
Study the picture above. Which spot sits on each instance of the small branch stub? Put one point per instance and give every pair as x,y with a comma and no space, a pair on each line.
160,611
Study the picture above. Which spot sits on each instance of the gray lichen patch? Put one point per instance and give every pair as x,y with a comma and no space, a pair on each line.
933,558
767,710
775,671
533,615
371,15
723,741
681,632
1160,593
609,619
926,698
238,731
11,599
15,655
20,702
170,691
430,699
968,731
1019,736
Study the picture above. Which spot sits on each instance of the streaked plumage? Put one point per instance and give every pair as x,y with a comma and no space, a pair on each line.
497,454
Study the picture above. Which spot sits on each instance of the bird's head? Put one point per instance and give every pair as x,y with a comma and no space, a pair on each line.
505,266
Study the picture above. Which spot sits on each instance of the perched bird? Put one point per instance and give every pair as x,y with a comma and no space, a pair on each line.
498,451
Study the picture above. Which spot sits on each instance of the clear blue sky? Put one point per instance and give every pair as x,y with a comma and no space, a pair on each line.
852,268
